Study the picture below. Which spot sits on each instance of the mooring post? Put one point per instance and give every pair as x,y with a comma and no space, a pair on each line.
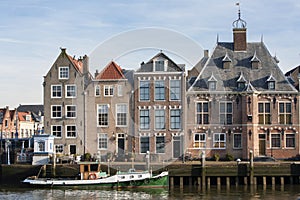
203,169
251,167
54,165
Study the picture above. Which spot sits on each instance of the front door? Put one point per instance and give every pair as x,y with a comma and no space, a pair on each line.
121,145
262,144
176,147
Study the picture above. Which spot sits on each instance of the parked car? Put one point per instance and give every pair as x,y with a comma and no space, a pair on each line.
264,159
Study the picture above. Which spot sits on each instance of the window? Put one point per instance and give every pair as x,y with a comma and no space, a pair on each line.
199,140
56,111
71,131
70,91
71,111
41,146
56,91
219,140
120,90
275,140
122,115
144,120
108,90
271,85
175,119
144,144
285,113
159,65
241,85
160,144
59,148
212,85
160,90
102,115
56,130
225,113
102,141
202,113
264,113
160,119
144,90
290,140
97,90
63,73
237,141
72,149
175,90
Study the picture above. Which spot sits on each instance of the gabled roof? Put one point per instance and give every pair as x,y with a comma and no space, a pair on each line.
77,63
241,63
36,109
112,71
172,66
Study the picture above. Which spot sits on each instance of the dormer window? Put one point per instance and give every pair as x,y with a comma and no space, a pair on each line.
271,82
226,62
241,82
255,62
212,83
159,64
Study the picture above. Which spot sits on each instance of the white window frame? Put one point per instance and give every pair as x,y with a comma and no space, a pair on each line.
118,111
202,113
173,90
164,62
219,141
104,137
52,131
58,106
64,74
146,136
97,91
144,116
105,106
141,83
226,113
156,144
159,86
109,89
72,111
175,117
73,92
71,125
56,91
59,146
201,142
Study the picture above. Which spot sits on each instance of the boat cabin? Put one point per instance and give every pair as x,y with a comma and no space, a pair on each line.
91,171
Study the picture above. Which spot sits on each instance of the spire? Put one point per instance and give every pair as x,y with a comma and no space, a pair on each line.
239,23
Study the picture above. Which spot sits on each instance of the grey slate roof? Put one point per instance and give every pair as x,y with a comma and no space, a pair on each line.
172,66
241,63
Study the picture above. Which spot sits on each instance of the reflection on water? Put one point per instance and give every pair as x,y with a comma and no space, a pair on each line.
240,192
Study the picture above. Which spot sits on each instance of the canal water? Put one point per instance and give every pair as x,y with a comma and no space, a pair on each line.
289,192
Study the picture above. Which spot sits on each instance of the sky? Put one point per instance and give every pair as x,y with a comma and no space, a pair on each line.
33,31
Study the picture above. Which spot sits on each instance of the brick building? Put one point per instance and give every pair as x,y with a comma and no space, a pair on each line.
240,101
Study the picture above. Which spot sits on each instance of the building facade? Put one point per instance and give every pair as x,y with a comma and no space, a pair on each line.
241,102
159,107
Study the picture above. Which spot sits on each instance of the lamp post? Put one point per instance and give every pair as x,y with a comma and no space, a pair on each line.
7,143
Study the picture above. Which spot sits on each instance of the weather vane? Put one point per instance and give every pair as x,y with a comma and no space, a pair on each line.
239,23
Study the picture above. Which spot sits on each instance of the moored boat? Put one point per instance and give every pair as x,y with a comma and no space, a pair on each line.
92,176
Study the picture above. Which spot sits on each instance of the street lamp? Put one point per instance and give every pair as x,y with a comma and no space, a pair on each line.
7,143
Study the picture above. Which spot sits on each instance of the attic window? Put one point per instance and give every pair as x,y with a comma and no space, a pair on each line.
159,65
255,62
241,82
212,83
271,82
226,62
63,72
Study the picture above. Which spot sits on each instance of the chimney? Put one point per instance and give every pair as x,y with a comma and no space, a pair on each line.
206,52
239,39
96,73
85,64
239,33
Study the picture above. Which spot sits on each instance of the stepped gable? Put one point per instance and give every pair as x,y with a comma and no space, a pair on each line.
241,63
111,72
